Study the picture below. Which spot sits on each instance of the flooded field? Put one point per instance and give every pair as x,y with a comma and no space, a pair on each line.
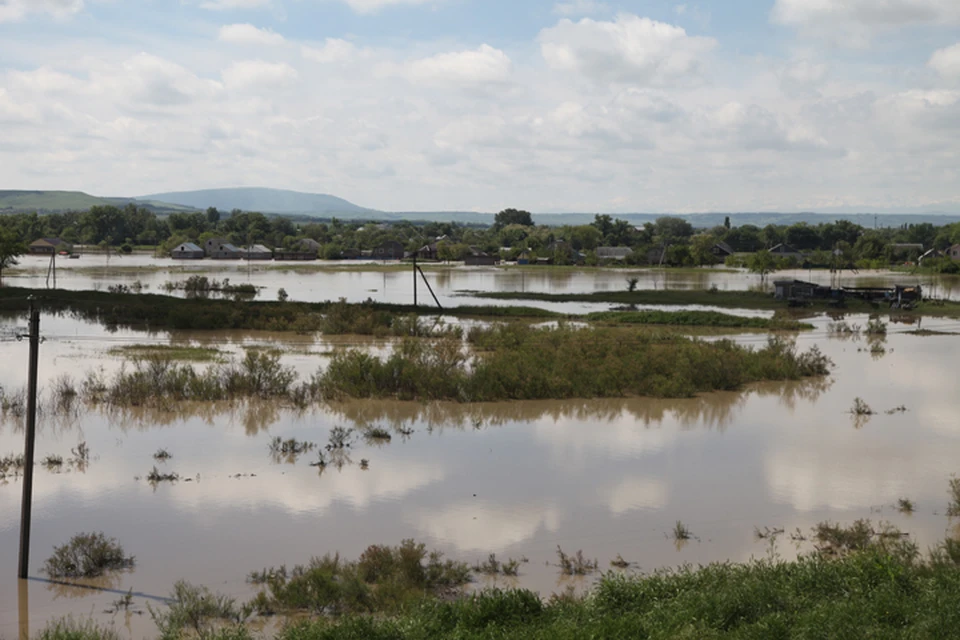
391,282
517,479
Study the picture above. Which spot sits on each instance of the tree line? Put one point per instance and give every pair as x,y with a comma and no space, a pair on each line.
668,240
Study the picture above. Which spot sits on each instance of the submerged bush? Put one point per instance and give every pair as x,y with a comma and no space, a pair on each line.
383,579
71,629
87,555
197,610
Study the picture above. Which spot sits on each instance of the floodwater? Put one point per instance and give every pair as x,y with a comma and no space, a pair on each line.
517,479
391,282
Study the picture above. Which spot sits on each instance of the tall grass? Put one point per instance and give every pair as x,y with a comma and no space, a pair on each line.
517,361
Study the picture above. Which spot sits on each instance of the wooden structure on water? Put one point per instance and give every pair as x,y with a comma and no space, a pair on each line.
799,292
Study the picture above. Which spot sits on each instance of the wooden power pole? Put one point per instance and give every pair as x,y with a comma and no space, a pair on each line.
28,451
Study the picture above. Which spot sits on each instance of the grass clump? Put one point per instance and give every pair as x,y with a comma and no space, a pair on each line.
53,462
195,610
695,319
171,352
494,567
681,531
953,509
69,628
861,408
290,447
87,555
575,564
162,455
383,579
377,435
11,465
519,362
905,505
156,476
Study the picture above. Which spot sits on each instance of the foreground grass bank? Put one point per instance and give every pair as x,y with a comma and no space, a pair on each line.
881,588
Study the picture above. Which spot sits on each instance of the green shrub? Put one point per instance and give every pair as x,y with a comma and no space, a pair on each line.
87,555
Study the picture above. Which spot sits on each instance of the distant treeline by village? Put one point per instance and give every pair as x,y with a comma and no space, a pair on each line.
668,241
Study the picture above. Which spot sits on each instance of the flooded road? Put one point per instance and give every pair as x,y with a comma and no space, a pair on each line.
391,282
518,479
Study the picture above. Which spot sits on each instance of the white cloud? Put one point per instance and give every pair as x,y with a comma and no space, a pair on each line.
333,50
473,527
579,8
249,34
373,6
946,61
630,49
247,74
14,10
636,493
484,65
855,22
230,5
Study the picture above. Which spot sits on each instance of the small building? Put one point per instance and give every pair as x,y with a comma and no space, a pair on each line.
187,251
428,252
351,254
613,253
306,249
221,249
954,252
257,252
784,250
389,250
477,258
929,254
524,257
799,290
49,246
721,249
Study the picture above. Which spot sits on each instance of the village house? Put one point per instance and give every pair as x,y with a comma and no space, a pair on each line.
954,252
187,251
49,246
428,252
221,249
784,250
721,249
306,249
477,258
257,252
389,250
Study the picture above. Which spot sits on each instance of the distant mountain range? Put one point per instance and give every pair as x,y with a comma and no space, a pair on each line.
304,206
260,199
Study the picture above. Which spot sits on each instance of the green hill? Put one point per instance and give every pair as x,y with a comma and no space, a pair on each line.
56,201
260,199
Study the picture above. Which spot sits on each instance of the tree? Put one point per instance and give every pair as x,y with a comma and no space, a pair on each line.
11,248
726,222
512,216
761,262
213,215
701,248
672,230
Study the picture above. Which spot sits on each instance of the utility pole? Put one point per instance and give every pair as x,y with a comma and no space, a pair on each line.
28,452
414,279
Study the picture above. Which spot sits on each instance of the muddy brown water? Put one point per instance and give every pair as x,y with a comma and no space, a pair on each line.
517,479
388,282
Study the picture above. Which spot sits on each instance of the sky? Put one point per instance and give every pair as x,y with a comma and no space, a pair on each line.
477,105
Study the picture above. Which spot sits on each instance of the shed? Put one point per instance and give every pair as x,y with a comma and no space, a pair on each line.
350,254
784,250
257,252
221,249
721,249
48,246
389,250
798,289
187,251
428,252
954,252
477,258
613,253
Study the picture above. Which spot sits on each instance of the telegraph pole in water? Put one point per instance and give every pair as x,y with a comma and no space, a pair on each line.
28,452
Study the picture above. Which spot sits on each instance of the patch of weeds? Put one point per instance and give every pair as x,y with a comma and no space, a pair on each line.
900,409
266,575
575,565
905,505
619,562
681,532
860,408
767,532
953,510
64,393
123,603
53,462
383,579
71,629
87,555
364,464
834,540
197,610
11,465
290,447
493,567
798,535
876,327
377,435
162,455
340,438
168,351
156,476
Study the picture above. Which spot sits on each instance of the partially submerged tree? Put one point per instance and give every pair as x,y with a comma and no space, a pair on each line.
761,262
11,248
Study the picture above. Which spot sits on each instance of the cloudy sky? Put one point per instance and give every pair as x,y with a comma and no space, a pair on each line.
577,105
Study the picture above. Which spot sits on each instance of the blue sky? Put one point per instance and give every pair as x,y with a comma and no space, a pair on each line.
569,105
